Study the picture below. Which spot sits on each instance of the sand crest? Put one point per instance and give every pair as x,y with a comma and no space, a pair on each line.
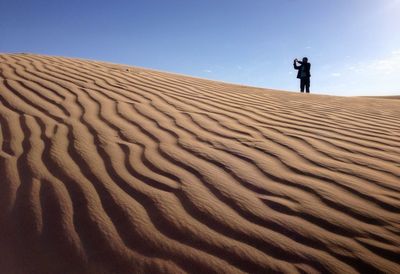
114,169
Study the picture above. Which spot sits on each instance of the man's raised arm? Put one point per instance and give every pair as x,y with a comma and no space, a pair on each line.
295,64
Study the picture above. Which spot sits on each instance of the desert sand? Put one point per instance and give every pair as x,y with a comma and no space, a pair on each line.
115,169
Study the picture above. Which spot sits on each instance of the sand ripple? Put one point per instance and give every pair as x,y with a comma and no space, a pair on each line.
114,169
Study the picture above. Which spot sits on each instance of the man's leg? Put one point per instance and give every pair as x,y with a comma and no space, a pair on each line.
302,84
308,85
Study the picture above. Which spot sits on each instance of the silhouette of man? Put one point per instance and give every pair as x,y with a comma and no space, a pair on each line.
303,73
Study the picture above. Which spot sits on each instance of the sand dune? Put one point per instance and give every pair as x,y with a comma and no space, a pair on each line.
114,169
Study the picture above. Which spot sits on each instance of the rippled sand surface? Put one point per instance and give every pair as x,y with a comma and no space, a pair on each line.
114,169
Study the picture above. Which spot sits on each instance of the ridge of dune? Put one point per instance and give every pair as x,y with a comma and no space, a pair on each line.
114,169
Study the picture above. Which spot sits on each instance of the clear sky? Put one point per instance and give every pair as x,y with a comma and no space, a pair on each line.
353,45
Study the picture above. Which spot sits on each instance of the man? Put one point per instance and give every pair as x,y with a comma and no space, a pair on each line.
303,73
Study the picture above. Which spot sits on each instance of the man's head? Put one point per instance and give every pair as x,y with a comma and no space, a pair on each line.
305,60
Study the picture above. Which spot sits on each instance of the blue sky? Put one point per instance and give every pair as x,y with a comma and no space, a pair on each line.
353,45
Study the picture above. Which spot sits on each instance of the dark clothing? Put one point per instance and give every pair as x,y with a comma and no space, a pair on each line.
304,75
305,83
303,68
